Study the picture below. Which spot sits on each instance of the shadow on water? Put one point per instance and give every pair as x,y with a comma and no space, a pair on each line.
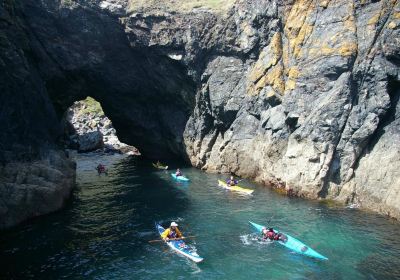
108,216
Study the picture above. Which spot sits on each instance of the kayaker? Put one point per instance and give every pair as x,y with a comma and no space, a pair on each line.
272,235
231,181
158,163
178,173
171,232
268,233
101,168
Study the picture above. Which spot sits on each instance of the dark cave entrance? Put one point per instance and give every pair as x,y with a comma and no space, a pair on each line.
148,99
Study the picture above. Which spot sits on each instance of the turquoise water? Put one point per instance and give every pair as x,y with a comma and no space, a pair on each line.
104,231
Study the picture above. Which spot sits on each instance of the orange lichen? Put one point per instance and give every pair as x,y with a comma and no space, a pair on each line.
262,66
292,74
273,78
344,49
297,28
267,71
392,25
276,46
374,20
324,4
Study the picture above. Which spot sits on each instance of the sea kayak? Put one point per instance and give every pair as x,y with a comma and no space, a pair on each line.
294,244
180,247
160,166
180,178
234,188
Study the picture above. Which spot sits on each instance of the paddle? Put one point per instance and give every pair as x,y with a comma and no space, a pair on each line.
172,239
270,219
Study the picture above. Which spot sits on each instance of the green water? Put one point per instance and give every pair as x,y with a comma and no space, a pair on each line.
104,231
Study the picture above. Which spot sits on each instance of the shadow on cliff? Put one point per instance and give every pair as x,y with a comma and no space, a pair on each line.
82,51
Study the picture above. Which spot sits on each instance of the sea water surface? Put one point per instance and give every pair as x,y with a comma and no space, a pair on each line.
103,232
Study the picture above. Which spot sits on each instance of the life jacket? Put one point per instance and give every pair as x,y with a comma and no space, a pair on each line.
231,182
172,234
271,235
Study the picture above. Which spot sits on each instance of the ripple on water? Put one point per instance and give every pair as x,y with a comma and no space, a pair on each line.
104,232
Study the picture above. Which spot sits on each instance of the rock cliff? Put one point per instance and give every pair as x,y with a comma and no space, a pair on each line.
301,95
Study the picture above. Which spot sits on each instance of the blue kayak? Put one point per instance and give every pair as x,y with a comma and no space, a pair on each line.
294,244
180,178
180,247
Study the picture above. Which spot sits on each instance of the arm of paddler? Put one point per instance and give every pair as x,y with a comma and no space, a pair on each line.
165,233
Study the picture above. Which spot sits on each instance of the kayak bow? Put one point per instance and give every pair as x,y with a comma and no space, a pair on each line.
180,247
180,178
294,244
160,166
234,188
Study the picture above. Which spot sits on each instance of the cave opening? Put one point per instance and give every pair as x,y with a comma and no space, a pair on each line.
87,128
148,101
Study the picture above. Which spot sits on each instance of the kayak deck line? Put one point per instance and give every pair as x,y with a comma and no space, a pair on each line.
234,188
180,247
293,244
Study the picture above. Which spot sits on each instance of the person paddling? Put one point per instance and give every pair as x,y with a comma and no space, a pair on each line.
172,232
268,233
231,181
272,235
178,173
101,168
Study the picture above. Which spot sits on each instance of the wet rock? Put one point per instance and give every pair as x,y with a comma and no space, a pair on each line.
90,141
30,189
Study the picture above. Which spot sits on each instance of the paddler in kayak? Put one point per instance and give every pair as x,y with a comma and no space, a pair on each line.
178,173
101,169
231,181
172,232
272,235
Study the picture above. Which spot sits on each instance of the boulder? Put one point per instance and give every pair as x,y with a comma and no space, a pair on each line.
90,141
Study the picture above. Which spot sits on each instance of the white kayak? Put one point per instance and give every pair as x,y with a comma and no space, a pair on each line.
180,247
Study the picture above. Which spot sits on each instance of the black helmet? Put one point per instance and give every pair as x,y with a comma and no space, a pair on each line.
271,229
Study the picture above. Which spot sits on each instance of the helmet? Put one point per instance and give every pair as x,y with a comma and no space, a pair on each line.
173,224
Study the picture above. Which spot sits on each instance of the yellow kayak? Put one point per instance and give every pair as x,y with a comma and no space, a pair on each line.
234,188
160,166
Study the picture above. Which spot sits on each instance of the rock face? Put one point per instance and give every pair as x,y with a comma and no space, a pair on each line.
295,94
30,189
90,141
301,95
